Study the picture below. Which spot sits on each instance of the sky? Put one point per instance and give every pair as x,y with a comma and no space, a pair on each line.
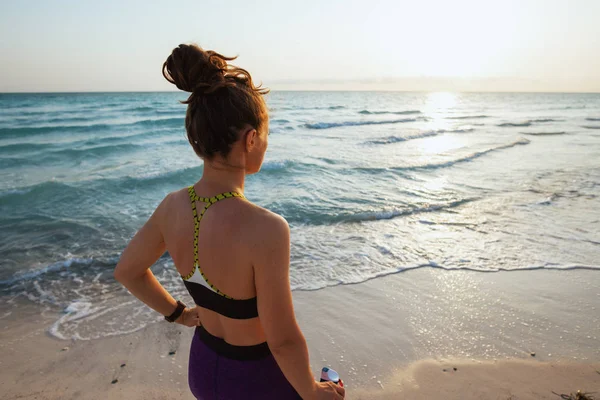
430,45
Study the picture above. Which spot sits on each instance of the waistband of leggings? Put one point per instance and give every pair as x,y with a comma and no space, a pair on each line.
241,353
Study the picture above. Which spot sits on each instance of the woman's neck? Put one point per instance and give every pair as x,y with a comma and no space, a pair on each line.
219,177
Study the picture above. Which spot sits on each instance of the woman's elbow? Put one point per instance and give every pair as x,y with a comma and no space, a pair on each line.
120,274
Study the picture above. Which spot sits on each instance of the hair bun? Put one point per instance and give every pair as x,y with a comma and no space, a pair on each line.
193,69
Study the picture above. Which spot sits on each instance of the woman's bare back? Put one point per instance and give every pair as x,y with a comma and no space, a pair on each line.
227,231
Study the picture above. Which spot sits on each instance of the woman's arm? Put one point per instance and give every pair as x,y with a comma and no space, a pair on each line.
276,311
133,269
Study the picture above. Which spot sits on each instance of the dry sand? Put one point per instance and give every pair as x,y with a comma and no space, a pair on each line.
390,338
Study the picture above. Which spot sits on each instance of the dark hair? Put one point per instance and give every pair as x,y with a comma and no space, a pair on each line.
223,100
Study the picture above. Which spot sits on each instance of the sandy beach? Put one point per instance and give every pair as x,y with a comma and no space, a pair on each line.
436,163
421,334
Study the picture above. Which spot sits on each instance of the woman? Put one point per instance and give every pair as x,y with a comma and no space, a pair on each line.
232,255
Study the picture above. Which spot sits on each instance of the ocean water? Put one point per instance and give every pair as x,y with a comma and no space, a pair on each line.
371,184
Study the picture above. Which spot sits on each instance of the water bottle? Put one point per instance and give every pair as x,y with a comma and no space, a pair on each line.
329,375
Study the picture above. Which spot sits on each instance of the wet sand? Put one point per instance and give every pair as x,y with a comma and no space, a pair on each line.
511,335
506,380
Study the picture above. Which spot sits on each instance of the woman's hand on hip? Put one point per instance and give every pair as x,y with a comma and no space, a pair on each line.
189,317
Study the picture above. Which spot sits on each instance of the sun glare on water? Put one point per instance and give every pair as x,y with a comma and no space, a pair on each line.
436,109
440,101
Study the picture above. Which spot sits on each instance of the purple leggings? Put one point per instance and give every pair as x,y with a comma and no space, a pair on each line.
220,371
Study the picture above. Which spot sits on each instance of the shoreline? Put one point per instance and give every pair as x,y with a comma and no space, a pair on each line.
388,338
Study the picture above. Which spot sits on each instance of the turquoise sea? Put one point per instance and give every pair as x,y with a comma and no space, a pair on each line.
372,183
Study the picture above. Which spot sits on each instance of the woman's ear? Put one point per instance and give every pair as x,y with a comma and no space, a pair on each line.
250,136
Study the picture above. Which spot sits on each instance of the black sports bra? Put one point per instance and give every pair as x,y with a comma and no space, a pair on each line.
204,293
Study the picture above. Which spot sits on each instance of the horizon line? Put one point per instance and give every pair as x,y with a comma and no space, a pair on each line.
321,90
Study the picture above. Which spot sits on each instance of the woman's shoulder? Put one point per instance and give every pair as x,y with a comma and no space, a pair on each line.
174,200
261,217
267,237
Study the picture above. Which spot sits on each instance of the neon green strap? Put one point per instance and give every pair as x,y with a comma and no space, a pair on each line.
197,218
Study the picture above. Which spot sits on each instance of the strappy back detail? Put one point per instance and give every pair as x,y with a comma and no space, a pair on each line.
197,218
204,293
